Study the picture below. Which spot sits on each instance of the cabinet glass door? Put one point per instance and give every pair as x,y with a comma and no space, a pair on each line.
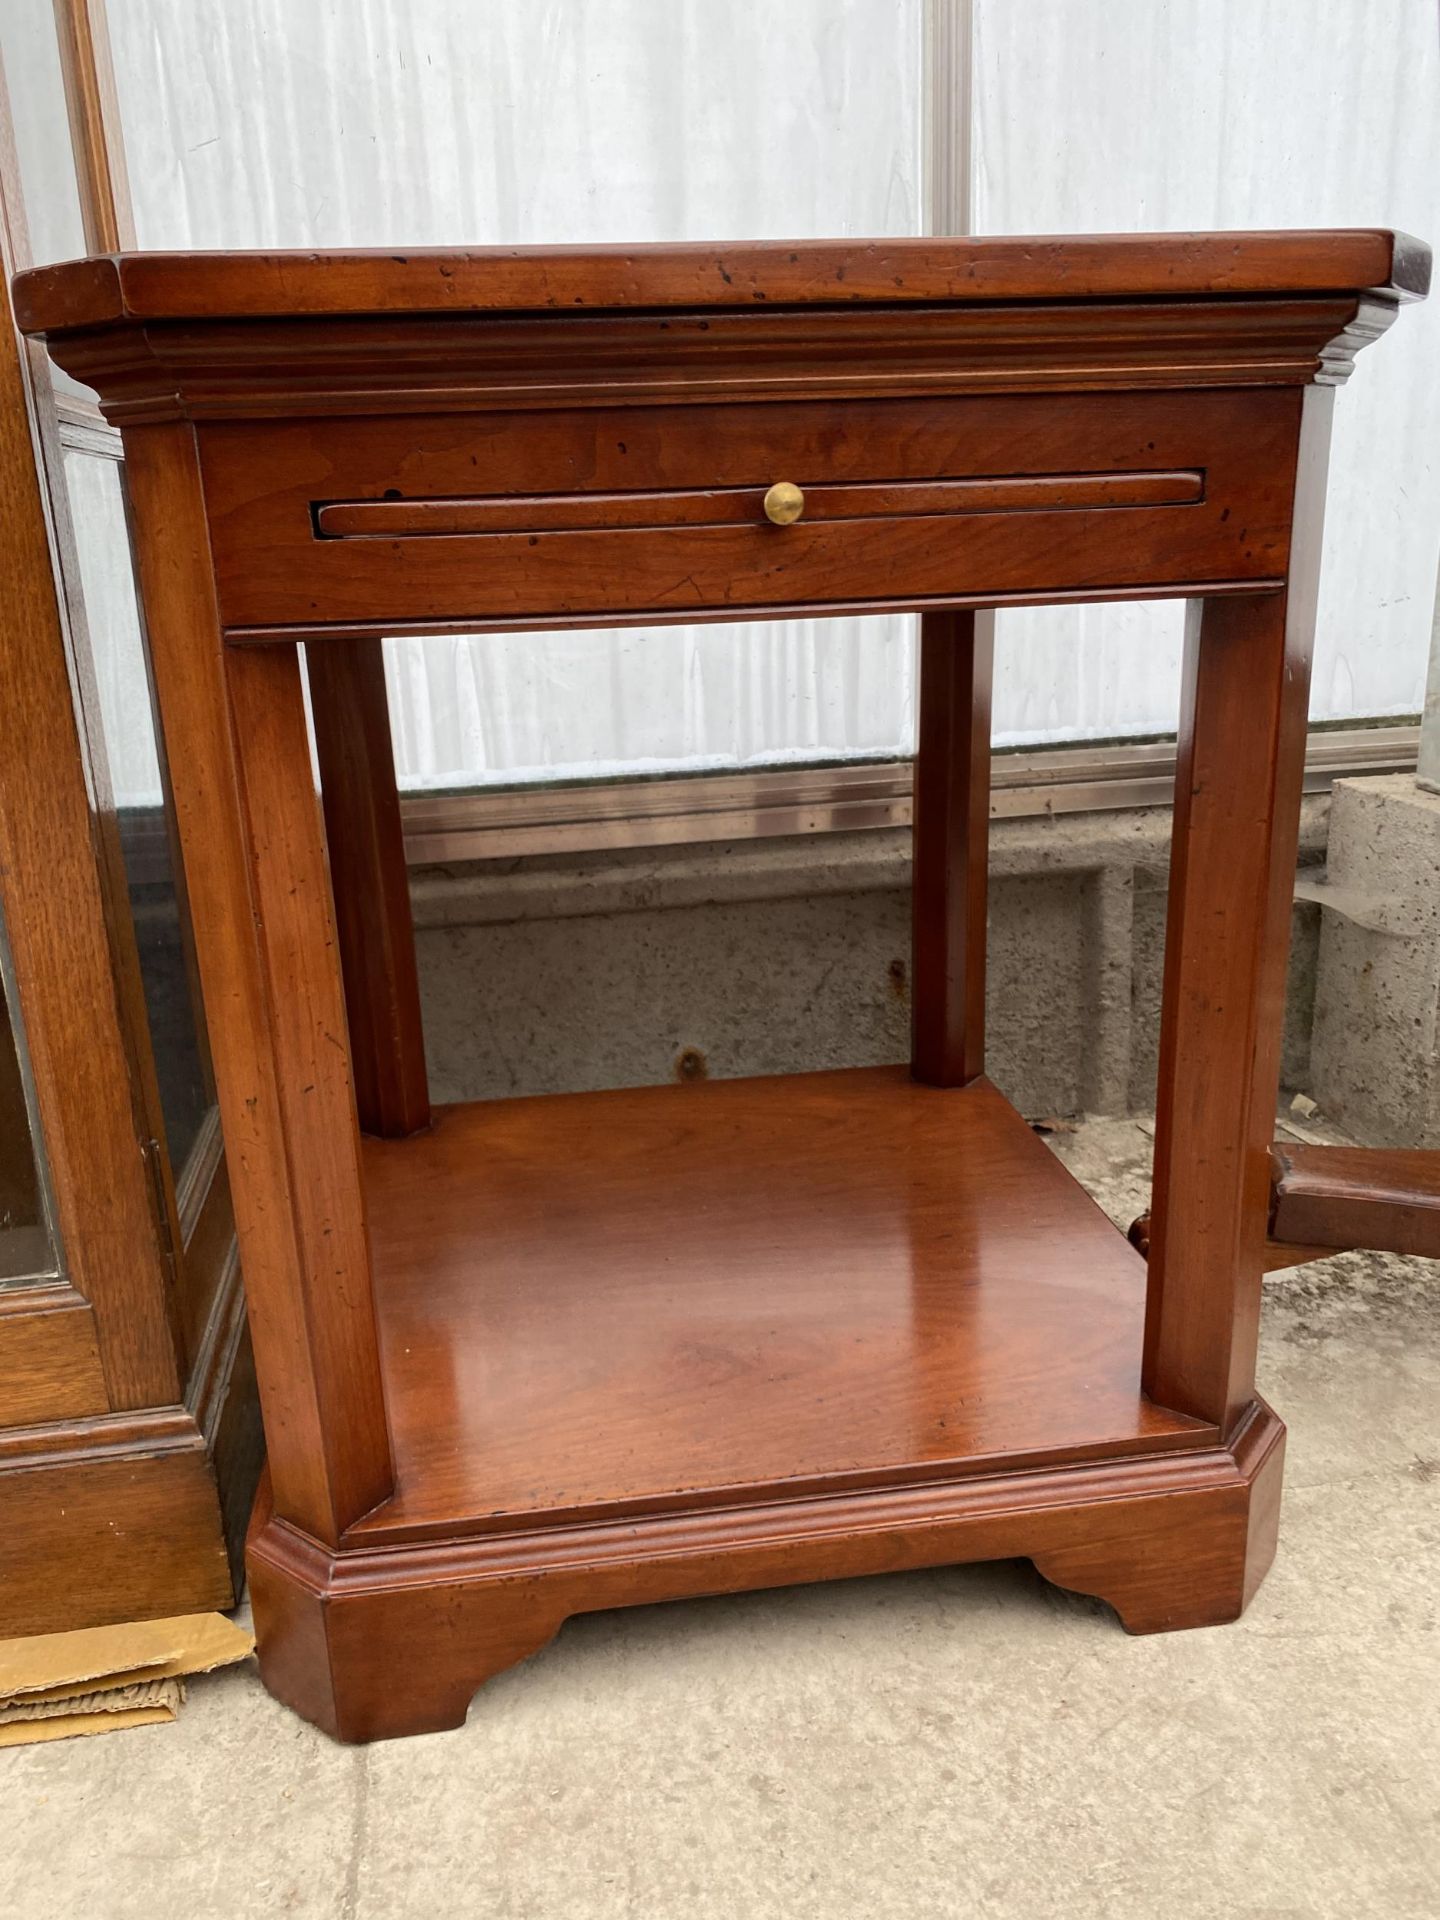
122,709
27,1238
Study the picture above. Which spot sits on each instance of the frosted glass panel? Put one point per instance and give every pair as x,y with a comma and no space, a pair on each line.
446,122
259,123
42,130
645,700
1222,113
256,122
35,94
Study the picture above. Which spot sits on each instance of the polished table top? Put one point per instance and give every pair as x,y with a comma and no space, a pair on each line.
155,286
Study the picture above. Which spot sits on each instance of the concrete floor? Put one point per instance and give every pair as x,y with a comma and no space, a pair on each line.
956,1743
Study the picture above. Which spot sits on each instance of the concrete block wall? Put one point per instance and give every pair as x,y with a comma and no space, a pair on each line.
1376,1038
631,968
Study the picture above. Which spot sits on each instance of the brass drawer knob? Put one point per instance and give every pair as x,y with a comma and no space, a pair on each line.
784,503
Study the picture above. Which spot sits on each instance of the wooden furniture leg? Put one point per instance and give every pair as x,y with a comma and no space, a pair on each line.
1187,1561
255,862
1237,806
952,833
370,883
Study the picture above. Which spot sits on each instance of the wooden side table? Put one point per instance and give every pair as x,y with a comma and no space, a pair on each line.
525,1358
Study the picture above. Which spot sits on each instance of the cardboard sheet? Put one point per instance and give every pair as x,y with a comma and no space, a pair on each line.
74,1726
58,1686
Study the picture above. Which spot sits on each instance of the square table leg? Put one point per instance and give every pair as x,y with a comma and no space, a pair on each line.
1238,786
254,853
952,837
370,882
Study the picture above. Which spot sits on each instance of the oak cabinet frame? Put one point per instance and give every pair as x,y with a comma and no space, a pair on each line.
129,1435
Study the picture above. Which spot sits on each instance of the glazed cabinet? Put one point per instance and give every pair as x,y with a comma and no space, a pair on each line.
129,1430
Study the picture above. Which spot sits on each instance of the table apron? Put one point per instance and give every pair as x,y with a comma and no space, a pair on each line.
638,513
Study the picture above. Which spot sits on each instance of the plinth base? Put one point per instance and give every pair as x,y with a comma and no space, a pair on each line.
648,1345
370,1645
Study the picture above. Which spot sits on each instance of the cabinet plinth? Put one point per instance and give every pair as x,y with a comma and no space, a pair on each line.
529,1358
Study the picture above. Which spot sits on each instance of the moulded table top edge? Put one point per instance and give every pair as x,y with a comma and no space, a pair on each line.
135,287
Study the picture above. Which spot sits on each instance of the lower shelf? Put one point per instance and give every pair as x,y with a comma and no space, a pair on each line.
685,1297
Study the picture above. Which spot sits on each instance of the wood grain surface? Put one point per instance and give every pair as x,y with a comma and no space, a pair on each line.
259,888
1384,1197
618,553
1239,775
1171,1540
106,1520
949,891
679,1294
157,286
371,885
